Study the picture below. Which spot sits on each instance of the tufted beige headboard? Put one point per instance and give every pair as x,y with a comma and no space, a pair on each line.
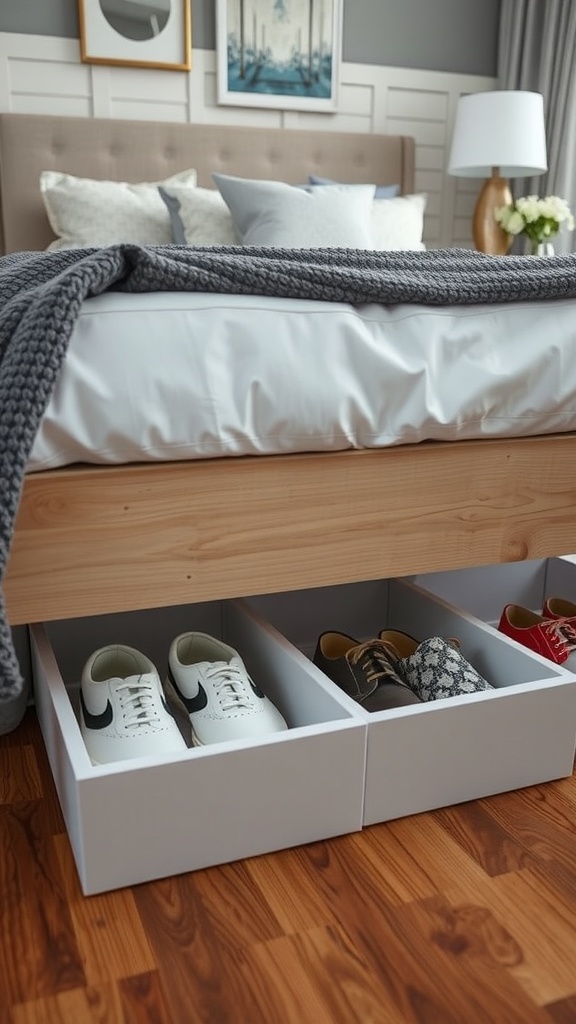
150,151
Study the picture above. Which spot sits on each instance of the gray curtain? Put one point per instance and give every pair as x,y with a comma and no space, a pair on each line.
537,52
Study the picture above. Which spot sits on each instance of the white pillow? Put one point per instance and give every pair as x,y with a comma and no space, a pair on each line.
87,212
273,213
199,216
399,223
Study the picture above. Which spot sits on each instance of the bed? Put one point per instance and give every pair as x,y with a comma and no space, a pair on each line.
92,539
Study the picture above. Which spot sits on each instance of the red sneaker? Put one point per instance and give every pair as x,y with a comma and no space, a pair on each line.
554,639
558,608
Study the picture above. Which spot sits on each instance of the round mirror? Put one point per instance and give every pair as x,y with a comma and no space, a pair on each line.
136,19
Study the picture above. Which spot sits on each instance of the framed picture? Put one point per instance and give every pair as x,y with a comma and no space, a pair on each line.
136,33
279,53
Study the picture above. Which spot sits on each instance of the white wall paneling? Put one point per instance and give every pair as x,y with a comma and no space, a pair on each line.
44,74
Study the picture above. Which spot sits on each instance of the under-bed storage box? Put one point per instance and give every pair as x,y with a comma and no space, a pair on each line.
134,821
443,752
338,767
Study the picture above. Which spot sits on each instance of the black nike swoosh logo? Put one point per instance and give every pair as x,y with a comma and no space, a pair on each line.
100,721
256,689
192,704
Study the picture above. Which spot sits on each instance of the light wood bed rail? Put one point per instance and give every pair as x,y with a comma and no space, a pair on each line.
92,540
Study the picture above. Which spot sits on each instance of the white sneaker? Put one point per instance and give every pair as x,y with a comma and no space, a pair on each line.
221,699
123,711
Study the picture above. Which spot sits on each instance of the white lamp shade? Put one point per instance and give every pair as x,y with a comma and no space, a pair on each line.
499,129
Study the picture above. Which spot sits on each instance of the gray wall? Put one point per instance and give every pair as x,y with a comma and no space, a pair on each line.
438,35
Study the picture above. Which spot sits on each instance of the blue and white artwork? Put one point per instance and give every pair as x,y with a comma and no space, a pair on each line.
281,52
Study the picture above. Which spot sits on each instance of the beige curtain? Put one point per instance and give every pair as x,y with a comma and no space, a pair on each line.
537,51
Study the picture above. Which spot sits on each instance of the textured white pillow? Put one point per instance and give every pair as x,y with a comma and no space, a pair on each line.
399,223
87,212
272,213
199,216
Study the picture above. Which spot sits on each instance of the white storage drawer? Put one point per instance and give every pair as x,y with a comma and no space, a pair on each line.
133,821
443,752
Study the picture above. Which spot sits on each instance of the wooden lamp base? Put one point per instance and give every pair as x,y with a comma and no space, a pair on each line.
487,234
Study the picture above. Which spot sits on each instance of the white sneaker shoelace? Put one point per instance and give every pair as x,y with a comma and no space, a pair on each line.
231,686
138,699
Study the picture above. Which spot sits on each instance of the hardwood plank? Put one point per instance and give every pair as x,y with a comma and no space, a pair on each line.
87,1005
40,953
537,921
316,976
142,999
308,888
26,732
294,885
553,836
50,800
427,858
465,915
563,1011
487,841
108,930
465,951
358,900
566,790
238,909
24,767
117,538
203,982
558,877
551,975
426,979
19,776
424,848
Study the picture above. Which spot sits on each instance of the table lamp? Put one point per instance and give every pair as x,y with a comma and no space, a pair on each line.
500,134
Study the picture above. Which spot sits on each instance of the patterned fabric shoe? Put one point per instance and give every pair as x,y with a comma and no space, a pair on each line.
553,638
366,671
433,668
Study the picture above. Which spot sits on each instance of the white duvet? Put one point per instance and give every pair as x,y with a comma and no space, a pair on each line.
166,376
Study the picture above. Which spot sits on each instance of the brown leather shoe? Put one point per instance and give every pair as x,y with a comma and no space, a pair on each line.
367,671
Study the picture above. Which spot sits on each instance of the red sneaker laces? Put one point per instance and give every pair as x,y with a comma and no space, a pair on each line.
562,633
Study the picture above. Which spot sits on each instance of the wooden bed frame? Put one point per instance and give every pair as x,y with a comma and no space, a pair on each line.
92,540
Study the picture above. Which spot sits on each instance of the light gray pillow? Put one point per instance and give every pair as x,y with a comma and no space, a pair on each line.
199,216
273,213
382,191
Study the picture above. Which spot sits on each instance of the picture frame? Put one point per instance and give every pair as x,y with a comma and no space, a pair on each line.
283,54
136,33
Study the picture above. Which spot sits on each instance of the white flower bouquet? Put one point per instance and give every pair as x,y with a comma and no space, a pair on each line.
538,219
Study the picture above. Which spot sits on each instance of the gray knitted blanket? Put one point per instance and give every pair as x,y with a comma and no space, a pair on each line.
41,294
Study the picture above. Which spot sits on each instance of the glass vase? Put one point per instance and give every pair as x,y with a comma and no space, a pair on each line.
542,249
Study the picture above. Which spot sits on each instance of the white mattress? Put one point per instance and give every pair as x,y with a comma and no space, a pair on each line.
186,376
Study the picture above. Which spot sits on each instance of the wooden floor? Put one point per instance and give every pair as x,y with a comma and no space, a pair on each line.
458,916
